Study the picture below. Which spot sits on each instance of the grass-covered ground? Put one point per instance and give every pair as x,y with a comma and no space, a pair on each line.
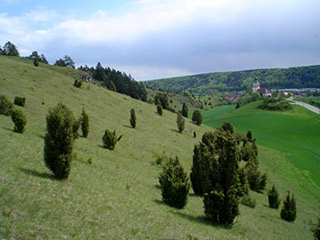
294,132
118,196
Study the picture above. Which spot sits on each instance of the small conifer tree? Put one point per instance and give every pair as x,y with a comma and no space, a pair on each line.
110,139
19,120
5,105
249,135
76,126
184,110
36,62
59,141
273,198
159,109
197,117
85,123
288,211
20,101
180,122
174,184
77,83
133,119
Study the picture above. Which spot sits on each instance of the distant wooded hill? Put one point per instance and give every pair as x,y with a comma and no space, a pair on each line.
294,77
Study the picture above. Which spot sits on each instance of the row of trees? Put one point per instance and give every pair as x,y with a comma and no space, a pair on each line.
117,81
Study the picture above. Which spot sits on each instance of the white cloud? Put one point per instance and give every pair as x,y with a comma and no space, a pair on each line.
161,38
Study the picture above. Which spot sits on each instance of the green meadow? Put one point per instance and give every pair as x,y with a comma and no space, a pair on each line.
295,133
118,195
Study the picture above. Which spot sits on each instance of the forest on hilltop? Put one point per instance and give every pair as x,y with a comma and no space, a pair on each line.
294,77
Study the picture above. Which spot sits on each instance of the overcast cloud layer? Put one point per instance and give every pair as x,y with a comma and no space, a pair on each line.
154,39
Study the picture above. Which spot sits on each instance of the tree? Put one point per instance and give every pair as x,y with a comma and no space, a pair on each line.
159,109
133,119
85,123
36,62
20,101
19,120
59,141
10,49
288,211
43,59
221,177
273,198
256,179
1,51
197,117
249,135
185,110
180,122
60,62
201,157
162,99
5,105
65,62
174,184
110,139
69,62
34,55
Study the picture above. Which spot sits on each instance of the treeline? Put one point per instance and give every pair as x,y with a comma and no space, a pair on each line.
113,79
295,77
117,81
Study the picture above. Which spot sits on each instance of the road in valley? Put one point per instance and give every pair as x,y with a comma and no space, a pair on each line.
308,106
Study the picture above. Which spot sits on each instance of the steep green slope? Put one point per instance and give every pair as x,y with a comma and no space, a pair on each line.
118,196
295,77
295,132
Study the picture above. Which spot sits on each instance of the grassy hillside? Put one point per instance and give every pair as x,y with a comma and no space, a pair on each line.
295,133
295,77
118,196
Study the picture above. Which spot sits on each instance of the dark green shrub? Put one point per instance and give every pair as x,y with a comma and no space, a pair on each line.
174,184
275,104
256,179
162,99
184,110
5,105
59,141
20,101
316,231
288,211
133,119
85,123
36,62
110,139
77,83
247,201
249,136
197,117
159,110
19,120
273,198
180,122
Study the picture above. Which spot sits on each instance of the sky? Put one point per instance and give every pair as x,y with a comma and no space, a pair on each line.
153,39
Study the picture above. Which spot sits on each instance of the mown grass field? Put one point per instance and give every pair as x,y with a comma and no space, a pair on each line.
118,196
295,133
